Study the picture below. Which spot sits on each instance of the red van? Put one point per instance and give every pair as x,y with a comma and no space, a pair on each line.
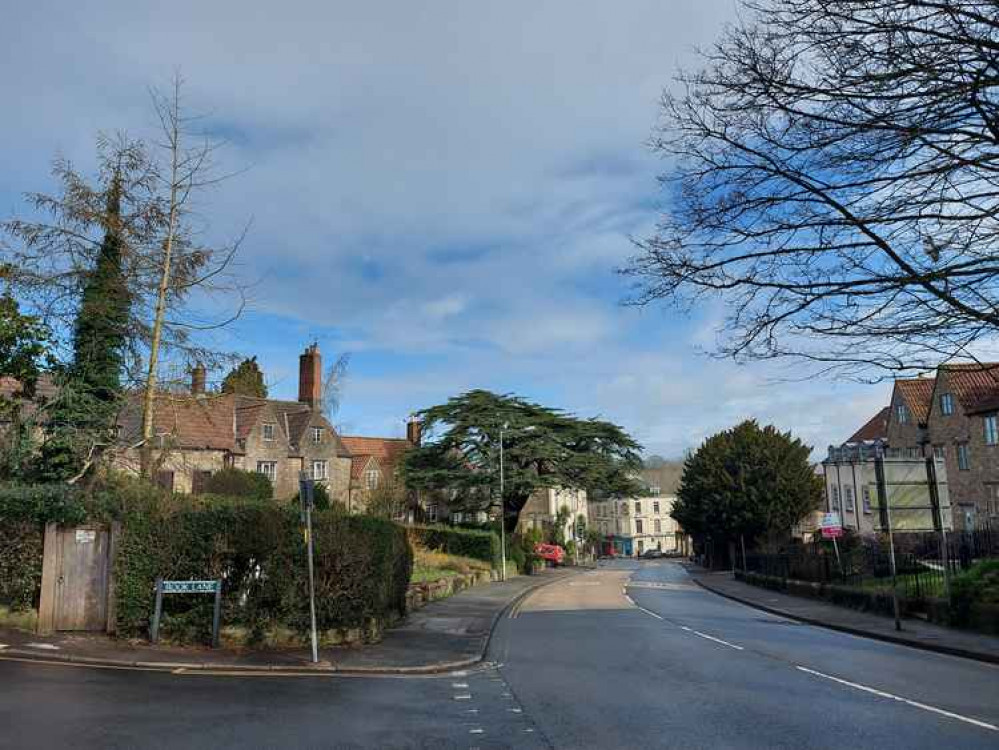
553,553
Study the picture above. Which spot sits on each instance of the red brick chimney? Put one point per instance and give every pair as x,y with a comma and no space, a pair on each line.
310,377
198,378
414,431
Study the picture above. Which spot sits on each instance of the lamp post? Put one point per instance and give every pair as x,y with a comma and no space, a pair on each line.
502,510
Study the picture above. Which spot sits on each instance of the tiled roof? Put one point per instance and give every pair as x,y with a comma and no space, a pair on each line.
358,464
388,451
45,390
975,385
918,393
876,428
205,422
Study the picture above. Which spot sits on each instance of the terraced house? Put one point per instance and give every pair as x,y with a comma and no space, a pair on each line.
954,416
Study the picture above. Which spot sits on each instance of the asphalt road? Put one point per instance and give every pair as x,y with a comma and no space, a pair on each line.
629,656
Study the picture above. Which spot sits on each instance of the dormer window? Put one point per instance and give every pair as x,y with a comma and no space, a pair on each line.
268,431
317,435
946,403
902,413
371,478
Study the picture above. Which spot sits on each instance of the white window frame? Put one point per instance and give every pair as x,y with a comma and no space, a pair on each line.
267,431
432,512
320,470
659,526
901,413
963,457
655,507
268,469
946,404
371,477
848,497
638,526
991,424
834,499
317,435
638,507
866,499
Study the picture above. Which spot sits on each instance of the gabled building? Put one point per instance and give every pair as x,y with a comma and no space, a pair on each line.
200,433
375,462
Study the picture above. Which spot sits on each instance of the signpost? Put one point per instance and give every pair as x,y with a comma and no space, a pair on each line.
832,528
306,494
187,587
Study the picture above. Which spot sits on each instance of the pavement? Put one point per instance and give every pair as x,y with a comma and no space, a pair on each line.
629,655
445,634
915,633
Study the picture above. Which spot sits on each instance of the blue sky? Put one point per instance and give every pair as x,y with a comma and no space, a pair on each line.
443,189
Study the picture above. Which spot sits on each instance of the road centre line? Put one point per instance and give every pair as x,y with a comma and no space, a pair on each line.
650,612
916,704
718,640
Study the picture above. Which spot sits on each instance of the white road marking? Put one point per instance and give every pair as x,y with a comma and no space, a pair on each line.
515,710
684,627
45,646
3,646
528,730
464,697
916,704
472,711
476,731
459,684
717,640
650,612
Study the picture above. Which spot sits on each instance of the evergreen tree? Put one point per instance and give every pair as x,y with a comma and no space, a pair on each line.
542,447
23,341
246,379
745,482
83,415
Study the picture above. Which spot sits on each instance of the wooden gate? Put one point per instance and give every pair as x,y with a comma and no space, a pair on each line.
76,579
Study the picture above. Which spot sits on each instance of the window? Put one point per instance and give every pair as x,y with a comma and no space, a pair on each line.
638,525
317,435
946,403
267,468
268,432
432,512
848,496
963,459
866,493
624,509
938,451
901,413
991,429
914,453
655,507
835,499
371,479
659,526
320,470
638,508
164,480
199,481
617,525
654,490
992,502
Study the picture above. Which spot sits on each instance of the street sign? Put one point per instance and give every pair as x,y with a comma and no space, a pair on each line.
832,532
187,587
190,587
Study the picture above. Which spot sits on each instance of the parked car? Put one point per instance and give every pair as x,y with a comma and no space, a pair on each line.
552,553
652,554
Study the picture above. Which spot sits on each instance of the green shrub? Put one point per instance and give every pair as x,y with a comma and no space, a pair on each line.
978,584
233,482
481,545
362,569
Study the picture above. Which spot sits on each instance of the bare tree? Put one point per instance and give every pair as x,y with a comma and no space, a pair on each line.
182,263
834,177
333,386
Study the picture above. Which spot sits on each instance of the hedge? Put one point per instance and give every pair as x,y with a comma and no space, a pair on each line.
362,564
362,569
24,511
480,545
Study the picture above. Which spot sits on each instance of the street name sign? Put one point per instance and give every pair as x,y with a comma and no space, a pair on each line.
190,587
187,587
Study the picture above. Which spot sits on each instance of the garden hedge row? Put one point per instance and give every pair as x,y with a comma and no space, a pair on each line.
480,545
362,564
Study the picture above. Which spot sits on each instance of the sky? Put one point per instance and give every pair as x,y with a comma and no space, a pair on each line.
443,189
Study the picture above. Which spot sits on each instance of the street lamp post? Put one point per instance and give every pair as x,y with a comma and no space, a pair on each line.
502,512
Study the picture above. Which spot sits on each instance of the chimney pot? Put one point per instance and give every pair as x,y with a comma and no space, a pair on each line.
414,431
198,378
310,376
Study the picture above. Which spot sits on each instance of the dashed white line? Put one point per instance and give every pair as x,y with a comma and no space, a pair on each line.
464,697
717,640
459,685
476,731
650,612
916,704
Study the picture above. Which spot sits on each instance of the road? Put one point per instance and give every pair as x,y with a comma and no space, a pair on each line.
632,655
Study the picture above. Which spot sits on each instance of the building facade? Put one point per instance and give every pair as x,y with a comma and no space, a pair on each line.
542,508
631,526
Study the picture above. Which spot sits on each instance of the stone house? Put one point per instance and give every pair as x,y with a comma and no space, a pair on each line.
633,525
199,433
374,465
542,507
